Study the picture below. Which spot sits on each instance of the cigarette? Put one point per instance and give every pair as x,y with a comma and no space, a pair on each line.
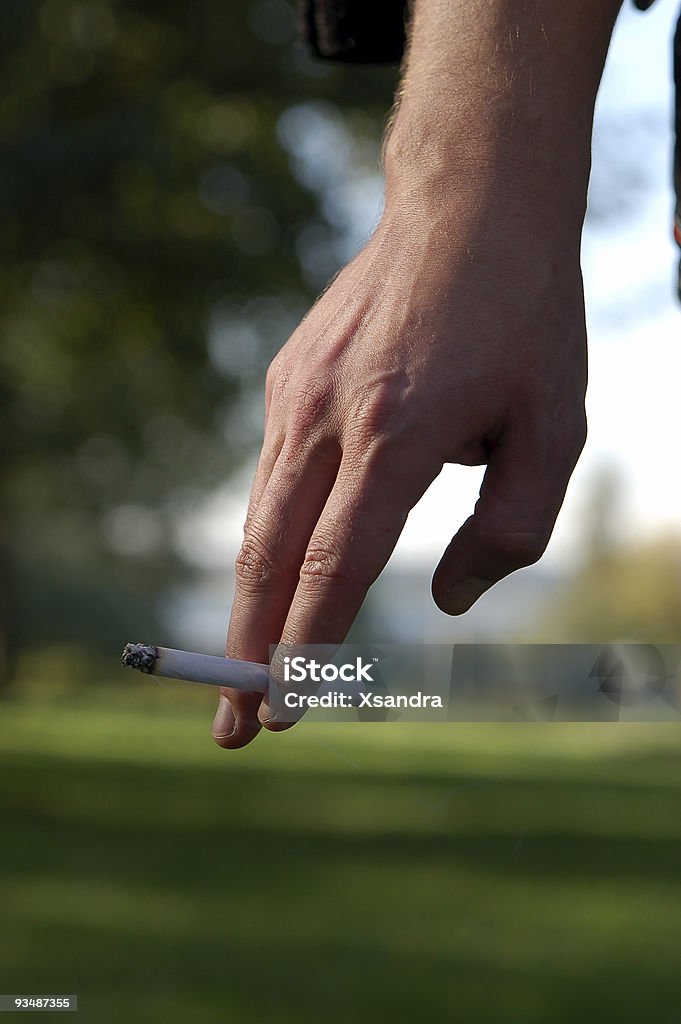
196,668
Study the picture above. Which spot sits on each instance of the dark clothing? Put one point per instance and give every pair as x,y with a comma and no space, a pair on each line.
358,31
373,32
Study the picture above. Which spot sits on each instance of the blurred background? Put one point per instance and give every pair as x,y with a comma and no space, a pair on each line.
177,184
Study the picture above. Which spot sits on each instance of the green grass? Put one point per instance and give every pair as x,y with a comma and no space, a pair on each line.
519,873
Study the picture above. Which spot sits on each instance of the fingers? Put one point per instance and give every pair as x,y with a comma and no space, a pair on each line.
274,547
276,536
236,704
521,495
272,445
269,454
349,547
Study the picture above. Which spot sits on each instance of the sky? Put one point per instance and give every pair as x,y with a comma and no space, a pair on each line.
633,315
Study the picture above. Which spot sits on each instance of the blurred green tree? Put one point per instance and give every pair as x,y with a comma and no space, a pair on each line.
627,593
622,590
161,228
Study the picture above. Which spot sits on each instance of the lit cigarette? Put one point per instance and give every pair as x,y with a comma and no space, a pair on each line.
196,668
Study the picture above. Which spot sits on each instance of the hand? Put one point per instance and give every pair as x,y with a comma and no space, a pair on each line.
456,335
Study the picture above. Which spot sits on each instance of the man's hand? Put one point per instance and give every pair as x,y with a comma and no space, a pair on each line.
456,335
432,346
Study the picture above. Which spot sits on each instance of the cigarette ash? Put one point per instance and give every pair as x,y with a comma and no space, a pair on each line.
140,656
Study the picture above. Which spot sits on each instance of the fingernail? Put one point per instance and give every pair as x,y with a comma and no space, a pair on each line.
464,593
224,723
266,715
272,705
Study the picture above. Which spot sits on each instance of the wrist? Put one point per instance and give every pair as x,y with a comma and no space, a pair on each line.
500,189
500,106
492,216
483,161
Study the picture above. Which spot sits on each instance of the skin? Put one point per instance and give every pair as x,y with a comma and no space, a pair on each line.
456,335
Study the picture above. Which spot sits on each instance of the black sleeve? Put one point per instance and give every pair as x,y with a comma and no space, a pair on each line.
354,31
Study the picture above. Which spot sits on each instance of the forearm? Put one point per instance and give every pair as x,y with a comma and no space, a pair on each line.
499,94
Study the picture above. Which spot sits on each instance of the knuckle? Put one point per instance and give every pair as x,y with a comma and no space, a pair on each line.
323,565
373,414
311,403
376,411
256,567
277,379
